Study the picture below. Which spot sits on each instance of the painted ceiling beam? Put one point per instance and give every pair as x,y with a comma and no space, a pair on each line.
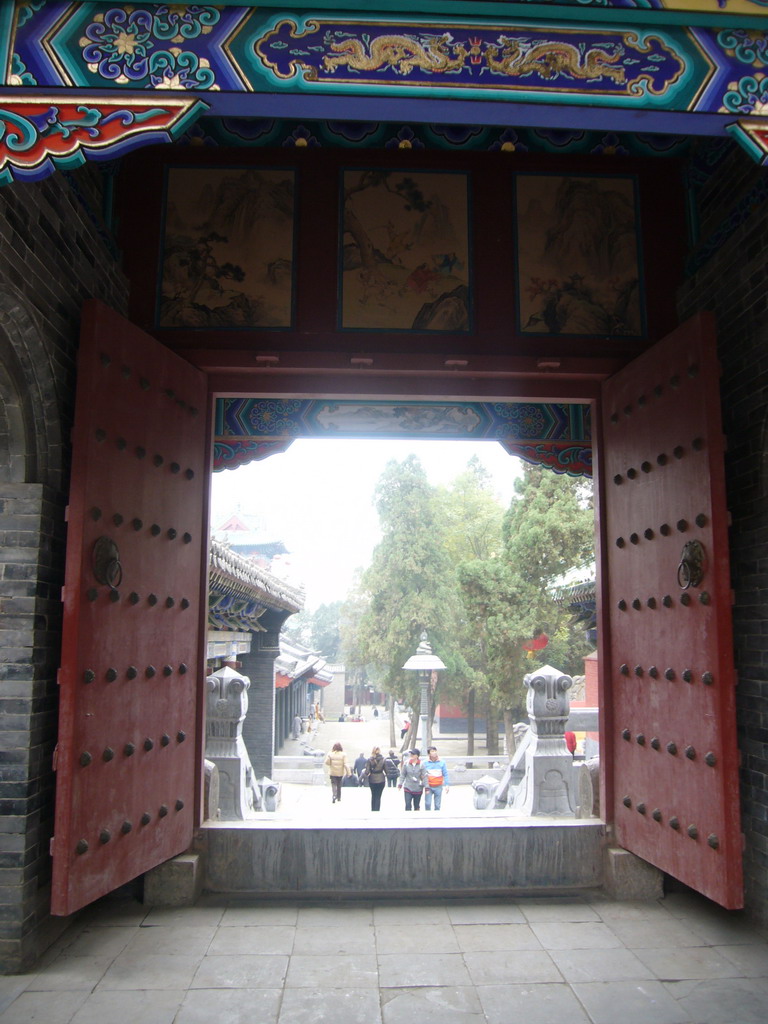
248,61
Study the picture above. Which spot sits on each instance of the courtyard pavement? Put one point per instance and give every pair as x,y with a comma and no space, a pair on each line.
560,960
576,960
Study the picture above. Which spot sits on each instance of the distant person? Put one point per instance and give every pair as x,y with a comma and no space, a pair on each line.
360,765
412,779
405,727
436,772
336,760
392,768
374,772
375,711
296,730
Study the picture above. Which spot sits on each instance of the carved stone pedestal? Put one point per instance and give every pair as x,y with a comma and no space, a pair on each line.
239,796
548,784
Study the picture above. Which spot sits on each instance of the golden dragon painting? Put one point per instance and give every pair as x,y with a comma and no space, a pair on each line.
511,57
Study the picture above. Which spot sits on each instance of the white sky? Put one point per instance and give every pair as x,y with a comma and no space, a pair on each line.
318,499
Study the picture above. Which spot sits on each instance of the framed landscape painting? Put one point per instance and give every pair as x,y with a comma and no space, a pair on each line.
578,255
404,251
227,248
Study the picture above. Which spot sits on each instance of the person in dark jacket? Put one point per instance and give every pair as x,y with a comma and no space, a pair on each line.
374,771
392,768
359,766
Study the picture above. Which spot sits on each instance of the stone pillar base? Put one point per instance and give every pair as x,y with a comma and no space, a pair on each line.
627,877
176,883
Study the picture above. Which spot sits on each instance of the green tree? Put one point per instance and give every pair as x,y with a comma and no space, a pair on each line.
473,520
319,630
410,585
548,529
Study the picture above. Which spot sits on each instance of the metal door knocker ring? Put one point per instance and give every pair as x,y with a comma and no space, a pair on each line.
106,563
690,571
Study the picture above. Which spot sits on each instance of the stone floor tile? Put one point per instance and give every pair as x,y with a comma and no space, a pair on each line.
750,961
242,970
533,1004
186,916
599,965
478,912
630,1002
253,939
722,1001
398,970
173,940
112,911
154,971
684,904
691,962
478,937
327,940
410,913
335,914
94,941
654,934
630,910
70,973
333,972
237,914
302,1006
394,938
11,987
557,910
444,1005
507,967
230,1006
718,929
140,1007
43,1008
570,935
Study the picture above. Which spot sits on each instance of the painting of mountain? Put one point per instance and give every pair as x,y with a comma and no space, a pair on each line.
578,258
227,256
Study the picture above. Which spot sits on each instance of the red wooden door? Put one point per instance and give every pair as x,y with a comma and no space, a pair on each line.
127,759
669,678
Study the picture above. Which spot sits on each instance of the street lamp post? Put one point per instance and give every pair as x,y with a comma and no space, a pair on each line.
427,665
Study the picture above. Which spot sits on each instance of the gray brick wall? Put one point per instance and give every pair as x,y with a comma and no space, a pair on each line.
732,283
258,727
55,251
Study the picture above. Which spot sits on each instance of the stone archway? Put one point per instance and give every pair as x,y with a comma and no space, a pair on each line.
30,429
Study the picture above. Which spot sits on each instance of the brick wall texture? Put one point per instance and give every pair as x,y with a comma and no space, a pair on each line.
55,251
732,283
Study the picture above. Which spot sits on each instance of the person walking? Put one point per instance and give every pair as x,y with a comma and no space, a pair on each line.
436,779
412,779
336,760
374,771
360,766
392,768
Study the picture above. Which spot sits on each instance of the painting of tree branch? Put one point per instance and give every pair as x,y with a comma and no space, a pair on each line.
227,259
404,251
578,263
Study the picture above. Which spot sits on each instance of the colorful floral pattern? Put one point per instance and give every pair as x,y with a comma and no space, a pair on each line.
129,46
